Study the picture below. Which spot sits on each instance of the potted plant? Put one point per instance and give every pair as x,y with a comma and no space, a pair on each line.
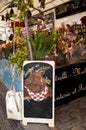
42,44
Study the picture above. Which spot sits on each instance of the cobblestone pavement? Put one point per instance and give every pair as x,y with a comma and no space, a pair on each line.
71,116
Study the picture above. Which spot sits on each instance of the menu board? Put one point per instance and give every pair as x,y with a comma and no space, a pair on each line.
38,92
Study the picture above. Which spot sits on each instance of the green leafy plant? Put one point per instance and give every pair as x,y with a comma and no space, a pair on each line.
21,49
42,44
23,7
19,57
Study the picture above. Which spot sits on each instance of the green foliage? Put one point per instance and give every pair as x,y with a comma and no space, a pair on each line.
23,7
21,49
42,44
19,57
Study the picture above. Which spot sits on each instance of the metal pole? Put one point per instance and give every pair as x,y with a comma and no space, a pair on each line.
27,33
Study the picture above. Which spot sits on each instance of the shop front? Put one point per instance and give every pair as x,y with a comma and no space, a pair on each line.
69,51
70,83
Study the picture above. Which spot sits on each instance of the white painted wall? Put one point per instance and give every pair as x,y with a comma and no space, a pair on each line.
48,5
70,19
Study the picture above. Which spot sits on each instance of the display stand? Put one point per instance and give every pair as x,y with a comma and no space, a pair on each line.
38,92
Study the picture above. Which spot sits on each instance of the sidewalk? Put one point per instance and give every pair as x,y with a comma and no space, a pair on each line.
70,116
7,124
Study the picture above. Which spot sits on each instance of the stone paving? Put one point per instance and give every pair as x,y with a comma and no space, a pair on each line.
71,116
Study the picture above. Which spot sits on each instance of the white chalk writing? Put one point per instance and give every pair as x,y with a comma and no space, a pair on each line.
63,76
62,96
78,71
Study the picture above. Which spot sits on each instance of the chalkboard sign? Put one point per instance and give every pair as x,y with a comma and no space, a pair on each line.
38,92
70,83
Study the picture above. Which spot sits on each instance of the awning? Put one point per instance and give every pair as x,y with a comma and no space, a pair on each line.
48,5
4,5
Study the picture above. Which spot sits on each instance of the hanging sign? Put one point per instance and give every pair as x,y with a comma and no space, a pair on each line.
69,8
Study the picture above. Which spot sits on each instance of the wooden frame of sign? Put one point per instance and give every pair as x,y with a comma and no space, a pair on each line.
38,92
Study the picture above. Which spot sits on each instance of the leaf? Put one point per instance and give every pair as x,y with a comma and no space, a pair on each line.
42,44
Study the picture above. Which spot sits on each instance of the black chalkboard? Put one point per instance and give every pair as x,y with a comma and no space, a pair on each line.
70,83
38,92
